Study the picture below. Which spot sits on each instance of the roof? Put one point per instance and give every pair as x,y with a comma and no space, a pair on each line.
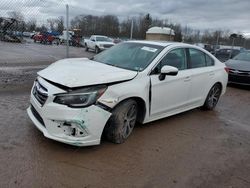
160,30
167,44
160,43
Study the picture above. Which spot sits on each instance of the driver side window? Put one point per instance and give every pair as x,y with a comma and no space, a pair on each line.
175,58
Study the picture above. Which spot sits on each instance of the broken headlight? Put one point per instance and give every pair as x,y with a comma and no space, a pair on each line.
80,98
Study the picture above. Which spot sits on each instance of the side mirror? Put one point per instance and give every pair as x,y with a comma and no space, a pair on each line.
167,71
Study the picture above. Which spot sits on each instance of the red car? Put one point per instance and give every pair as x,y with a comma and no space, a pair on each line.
44,38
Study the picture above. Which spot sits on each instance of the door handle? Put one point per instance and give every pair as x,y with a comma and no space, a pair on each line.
187,79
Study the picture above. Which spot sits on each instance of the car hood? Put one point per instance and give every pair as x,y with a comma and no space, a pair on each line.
238,65
111,43
80,72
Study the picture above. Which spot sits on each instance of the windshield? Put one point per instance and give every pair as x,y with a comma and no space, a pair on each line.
103,39
132,56
244,56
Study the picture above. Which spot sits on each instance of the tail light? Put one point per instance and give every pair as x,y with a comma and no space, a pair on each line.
227,69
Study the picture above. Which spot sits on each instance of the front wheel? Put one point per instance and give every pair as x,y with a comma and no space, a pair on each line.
97,50
212,97
122,122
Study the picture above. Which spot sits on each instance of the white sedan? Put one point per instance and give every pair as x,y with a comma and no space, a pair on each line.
76,101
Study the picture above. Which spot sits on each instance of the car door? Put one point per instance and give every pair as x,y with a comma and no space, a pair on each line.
202,67
172,93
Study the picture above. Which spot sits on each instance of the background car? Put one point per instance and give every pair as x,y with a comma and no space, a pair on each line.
239,69
98,43
225,54
44,38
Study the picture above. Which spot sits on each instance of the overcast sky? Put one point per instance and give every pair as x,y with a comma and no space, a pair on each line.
198,14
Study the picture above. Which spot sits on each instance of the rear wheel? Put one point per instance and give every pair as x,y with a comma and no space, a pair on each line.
212,97
122,122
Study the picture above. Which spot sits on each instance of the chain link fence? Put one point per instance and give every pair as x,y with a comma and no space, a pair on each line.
31,35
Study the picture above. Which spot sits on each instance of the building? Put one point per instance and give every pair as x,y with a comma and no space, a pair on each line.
160,33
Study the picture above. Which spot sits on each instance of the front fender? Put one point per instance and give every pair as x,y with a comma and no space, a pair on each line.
138,87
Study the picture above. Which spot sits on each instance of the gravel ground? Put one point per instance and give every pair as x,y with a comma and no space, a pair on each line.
12,54
19,63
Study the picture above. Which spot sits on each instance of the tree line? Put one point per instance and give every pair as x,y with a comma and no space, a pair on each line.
111,26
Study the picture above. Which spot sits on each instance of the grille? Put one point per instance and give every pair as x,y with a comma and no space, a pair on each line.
40,93
239,72
37,116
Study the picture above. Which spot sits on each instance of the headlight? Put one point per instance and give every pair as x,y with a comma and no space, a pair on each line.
80,98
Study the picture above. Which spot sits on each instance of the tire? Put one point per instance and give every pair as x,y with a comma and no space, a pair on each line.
97,50
122,122
86,49
212,97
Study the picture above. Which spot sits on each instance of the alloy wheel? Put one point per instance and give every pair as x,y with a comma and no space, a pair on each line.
129,121
214,96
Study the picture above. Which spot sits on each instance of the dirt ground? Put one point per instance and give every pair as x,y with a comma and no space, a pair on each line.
193,149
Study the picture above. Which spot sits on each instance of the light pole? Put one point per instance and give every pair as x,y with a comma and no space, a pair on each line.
131,30
217,44
232,36
67,30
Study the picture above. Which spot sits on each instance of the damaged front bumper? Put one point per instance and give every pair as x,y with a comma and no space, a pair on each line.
74,126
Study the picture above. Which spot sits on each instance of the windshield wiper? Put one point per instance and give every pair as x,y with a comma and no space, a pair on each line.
112,65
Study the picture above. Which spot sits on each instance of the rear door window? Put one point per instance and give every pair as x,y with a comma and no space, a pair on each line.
197,58
209,60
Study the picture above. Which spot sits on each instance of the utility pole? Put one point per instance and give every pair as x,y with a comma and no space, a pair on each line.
132,28
217,43
67,30
245,42
232,36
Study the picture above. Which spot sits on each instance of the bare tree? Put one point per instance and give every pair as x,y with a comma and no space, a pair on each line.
16,15
31,25
19,17
52,23
103,25
60,24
